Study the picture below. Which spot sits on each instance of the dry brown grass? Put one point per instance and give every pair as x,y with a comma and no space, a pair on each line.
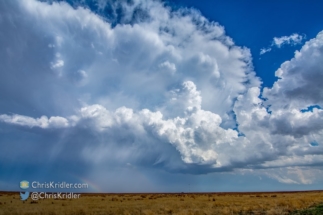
150,204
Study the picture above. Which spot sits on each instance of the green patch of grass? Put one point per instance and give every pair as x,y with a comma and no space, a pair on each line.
314,210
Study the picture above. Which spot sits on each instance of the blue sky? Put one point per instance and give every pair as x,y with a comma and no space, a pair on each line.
153,96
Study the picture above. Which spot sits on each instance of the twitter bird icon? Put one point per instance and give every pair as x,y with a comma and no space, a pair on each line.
24,196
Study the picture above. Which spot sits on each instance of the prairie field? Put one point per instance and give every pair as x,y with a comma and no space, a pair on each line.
165,203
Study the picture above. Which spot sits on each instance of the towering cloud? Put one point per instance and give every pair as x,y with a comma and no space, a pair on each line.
150,86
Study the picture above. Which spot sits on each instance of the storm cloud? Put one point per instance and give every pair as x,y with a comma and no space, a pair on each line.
149,87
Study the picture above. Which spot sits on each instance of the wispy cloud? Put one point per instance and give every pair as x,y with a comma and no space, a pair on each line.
288,40
264,50
278,42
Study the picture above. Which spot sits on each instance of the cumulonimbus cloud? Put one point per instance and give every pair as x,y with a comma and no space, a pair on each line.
163,87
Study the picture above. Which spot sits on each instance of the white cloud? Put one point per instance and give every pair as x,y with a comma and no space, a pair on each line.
197,135
283,179
57,64
279,121
167,66
293,175
290,40
42,122
264,50
278,42
299,84
132,56
171,90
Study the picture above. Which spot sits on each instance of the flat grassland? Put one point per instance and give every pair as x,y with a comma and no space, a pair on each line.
165,203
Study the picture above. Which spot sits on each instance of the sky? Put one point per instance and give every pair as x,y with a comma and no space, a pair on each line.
162,96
